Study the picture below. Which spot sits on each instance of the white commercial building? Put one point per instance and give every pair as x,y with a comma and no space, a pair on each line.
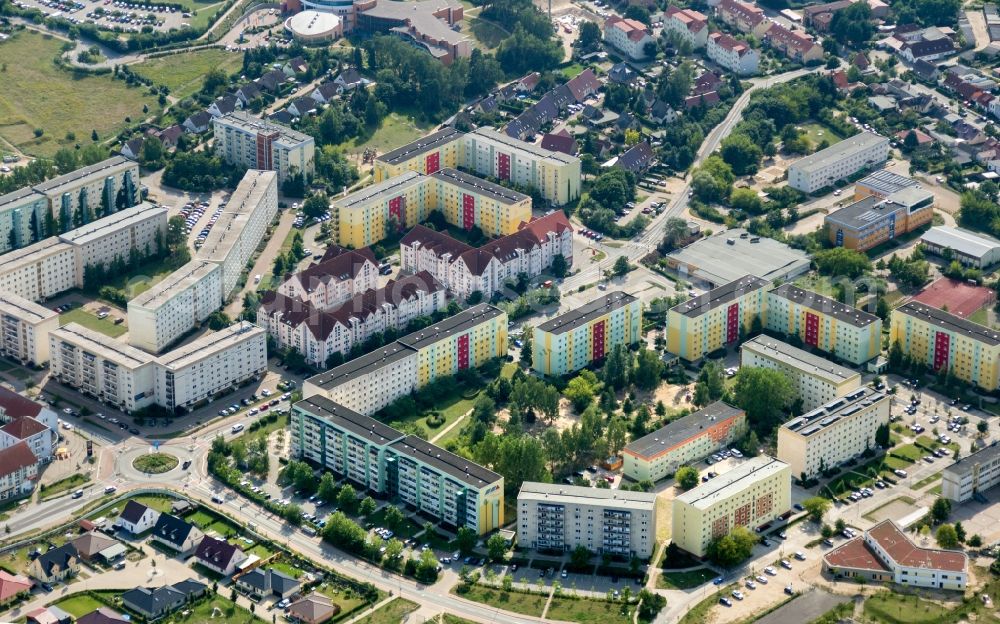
241,227
142,228
247,141
214,363
732,54
834,433
969,248
175,305
838,162
817,380
556,517
628,36
970,476
24,329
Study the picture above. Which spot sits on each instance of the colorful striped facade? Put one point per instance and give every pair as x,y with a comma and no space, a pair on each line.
427,155
575,339
945,342
716,319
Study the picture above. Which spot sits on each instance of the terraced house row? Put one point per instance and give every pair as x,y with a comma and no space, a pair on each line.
490,153
333,427
720,317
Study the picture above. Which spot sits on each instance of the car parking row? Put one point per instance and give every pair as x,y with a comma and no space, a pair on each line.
751,582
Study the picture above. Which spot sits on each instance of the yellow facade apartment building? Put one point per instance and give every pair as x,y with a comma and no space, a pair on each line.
715,319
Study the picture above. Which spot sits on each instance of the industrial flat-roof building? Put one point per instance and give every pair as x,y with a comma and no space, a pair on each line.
817,380
715,319
837,162
833,433
873,220
684,441
710,260
969,248
970,476
560,518
579,337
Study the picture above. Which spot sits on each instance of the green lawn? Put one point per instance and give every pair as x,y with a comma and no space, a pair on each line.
447,618
452,409
348,601
572,71
927,481
589,611
396,130
392,613
155,463
63,485
184,73
79,605
90,321
892,608
215,610
208,523
518,602
409,528
685,580
486,32
908,451
288,569
818,132
980,316
38,94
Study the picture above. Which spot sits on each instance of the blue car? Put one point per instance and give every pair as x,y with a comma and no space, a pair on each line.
717,581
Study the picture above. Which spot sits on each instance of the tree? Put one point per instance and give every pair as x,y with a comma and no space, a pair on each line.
426,570
316,206
710,385
853,25
982,427
559,266
581,390
152,153
764,394
841,261
327,490
579,558
826,531
741,153
747,200
639,13
946,536
816,507
647,370
731,549
466,540
367,506
941,509
960,532
214,80
686,477
496,547
393,518
347,500
589,37
621,266
975,541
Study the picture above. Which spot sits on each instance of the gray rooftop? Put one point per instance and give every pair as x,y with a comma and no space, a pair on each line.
422,145
32,253
799,359
720,296
24,309
711,259
20,196
681,430
364,427
885,182
208,345
581,316
964,242
835,411
180,280
500,137
478,185
102,346
814,301
459,468
986,455
838,151
96,230
420,17
84,175
732,482
871,209
576,495
452,325
950,322
395,185
246,121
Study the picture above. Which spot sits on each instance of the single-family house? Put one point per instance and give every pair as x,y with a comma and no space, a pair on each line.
297,65
272,81
13,586
561,141
219,555
302,107
169,135
248,93
48,615
348,80
153,603
176,534
326,92
198,122
56,564
104,615
662,113
133,148
620,73
313,609
224,105
262,583
137,518
93,546
638,158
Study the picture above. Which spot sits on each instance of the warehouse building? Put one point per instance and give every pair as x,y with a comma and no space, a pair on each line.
816,380
838,162
971,249
709,261
617,523
715,319
969,477
750,495
585,335
836,432
684,441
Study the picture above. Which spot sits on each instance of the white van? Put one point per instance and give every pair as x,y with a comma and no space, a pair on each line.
238,427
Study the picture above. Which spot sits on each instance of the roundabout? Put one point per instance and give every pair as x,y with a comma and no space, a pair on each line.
155,463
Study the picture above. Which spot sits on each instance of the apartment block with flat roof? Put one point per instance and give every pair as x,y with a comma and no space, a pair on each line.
175,305
947,342
247,141
607,522
750,495
817,380
91,192
580,337
24,329
684,441
871,221
22,218
833,433
214,363
969,477
141,229
427,155
838,162
715,319
824,323
39,271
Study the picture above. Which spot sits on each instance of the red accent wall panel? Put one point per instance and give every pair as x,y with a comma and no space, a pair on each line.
598,331
812,329
503,166
468,211
432,164
942,345
463,352
733,323
397,212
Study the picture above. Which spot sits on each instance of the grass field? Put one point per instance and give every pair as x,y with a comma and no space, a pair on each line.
155,463
818,132
525,604
38,94
63,485
213,611
927,481
589,611
487,33
396,130
80,605
348,602
894,608
392,613
209,523
90,321
183,73
685,580
447,618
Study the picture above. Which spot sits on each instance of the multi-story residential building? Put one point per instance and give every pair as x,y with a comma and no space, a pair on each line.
881,184
872,221
318,334
427,155
241,226
175,305
750,495
687,25
24,329
247,141
140,229
39,271
368,215
969,477
732,54
833,433
22,218
339,275
824,323
18,471
491,153
684,441
464,269
628,36
947,342
214,363
817,380
579,337
838,162
885,554
102,367
794,44
27,421
403,468
745,17
91,192
607,522
715,319
372,381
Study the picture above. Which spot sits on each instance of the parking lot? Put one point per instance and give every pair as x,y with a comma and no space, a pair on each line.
117,15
